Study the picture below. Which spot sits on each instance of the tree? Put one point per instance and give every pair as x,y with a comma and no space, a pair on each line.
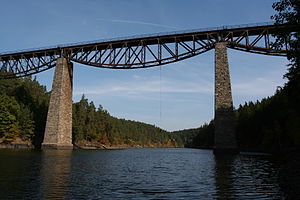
288,12
9,110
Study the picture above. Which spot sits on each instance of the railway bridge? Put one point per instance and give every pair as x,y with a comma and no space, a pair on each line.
143,51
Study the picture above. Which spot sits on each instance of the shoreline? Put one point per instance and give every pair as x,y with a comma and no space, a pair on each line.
118,147
16,146
86,146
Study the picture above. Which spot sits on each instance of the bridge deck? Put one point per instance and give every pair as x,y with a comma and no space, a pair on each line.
143,51
253,29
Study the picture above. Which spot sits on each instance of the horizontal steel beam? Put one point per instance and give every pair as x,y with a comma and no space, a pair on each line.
145,51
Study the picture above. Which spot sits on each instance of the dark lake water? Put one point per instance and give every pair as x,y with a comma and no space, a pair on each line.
136,174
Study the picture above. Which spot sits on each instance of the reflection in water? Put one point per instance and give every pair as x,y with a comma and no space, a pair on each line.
223,176
136,174
19,172
246,177
55,173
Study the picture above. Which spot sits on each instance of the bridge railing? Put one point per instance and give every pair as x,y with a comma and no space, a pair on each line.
147,50
217,28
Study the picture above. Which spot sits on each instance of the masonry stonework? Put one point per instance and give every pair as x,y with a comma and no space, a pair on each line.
58,132
225,138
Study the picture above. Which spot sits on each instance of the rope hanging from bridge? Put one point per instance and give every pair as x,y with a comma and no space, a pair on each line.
160,104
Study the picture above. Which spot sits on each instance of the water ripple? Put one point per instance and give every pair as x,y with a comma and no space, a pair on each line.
136,174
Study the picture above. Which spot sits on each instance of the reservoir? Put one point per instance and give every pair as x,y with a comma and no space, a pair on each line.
146,173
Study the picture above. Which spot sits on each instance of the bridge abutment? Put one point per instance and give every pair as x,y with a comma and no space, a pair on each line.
225,137
58,132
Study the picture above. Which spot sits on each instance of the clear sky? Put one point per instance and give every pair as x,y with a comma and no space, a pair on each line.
175,96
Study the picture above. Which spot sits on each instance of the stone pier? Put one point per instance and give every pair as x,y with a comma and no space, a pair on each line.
225,137
58,132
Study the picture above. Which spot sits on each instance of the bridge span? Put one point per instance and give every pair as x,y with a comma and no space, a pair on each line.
143,51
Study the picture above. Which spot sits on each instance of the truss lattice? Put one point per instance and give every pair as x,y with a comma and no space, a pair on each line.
145,51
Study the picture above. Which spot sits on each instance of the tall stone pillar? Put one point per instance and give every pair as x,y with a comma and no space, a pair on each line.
58,132
225,138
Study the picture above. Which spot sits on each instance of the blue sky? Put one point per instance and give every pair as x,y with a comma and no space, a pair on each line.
174,96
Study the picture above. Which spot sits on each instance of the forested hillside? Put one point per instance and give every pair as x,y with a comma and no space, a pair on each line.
269,125
91,125
23,110
23,113
272,124
202,137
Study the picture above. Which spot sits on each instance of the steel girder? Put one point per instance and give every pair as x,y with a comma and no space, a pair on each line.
145,51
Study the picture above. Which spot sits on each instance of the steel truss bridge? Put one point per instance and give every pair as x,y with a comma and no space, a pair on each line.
142,52
145,50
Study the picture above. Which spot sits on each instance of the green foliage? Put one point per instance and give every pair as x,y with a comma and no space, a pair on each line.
269,125
202,137
23,113
23,110
288,13
98,126
89,124
273,123
205,138
9,126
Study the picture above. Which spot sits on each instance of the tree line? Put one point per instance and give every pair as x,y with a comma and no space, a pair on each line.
269,125
23,114
23,110
96,125
272,124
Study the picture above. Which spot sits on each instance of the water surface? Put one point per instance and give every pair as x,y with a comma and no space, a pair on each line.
136,174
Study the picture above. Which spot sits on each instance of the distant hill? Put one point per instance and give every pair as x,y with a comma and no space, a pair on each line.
23,113
202,137
97,126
